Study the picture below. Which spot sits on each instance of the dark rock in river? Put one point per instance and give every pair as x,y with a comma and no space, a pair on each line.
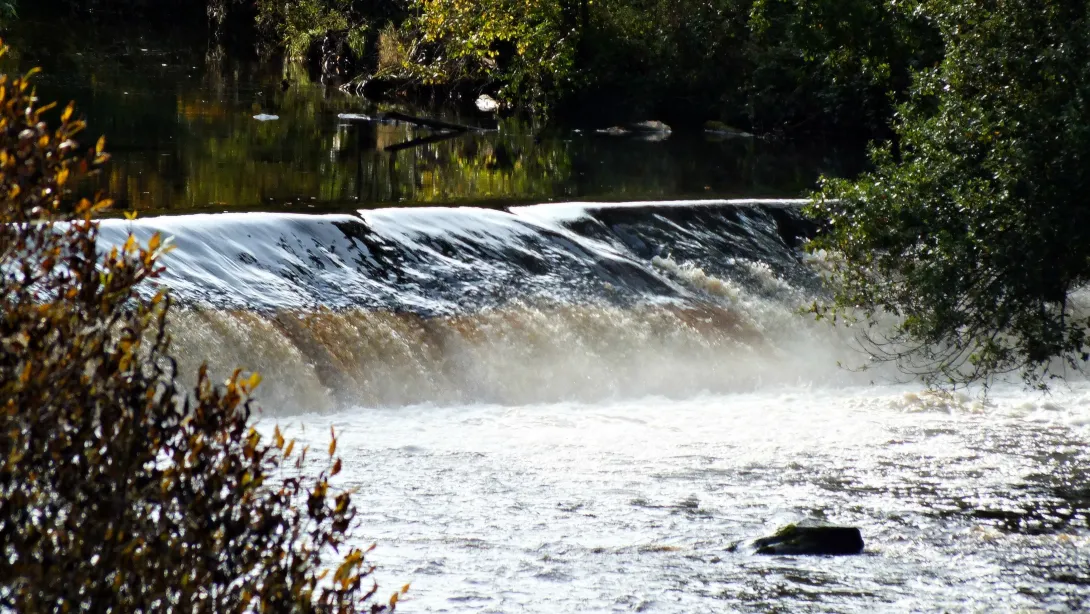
811,540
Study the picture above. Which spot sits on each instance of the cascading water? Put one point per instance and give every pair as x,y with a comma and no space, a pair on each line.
539,304
582,406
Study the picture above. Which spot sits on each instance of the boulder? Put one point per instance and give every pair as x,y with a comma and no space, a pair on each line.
817,539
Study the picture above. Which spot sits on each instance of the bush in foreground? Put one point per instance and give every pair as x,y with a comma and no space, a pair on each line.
119,490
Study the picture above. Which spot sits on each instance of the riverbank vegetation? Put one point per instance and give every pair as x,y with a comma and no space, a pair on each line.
767,66
120,489
973,225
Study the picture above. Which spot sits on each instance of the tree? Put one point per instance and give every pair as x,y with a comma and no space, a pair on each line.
833,63
119,490
528,46
974,230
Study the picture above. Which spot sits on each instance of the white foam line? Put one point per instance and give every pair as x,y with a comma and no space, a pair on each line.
568,211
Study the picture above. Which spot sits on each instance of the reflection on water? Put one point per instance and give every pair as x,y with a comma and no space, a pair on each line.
180,121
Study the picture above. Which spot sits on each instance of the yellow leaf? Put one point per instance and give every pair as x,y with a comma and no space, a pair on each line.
278,438
67,112
332,444
291,446
254,381
130,244
101,144
344,569
336,467
153,243
131,215
405,589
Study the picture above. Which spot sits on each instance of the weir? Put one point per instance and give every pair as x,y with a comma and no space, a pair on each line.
459,305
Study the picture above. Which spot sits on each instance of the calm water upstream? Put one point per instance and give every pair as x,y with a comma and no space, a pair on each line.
180,122
579,406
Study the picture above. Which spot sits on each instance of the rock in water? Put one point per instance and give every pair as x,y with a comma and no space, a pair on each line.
487,104
614,131
811,540
651,126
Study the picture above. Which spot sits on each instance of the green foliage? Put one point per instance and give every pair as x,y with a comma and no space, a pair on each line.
834,62
119,491
521,43
657,53
297,25
769,63
974,232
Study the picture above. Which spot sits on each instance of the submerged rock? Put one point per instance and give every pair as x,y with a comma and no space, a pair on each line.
651,126
613,131
721,129
811,540
646,131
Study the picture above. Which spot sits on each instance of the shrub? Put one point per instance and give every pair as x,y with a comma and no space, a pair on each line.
118,490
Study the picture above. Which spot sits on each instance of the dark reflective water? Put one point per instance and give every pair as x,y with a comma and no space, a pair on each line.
179,115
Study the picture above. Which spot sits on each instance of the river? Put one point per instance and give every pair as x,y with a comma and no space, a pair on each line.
580,392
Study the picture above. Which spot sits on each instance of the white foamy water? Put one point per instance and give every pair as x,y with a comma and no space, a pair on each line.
584,407
633,506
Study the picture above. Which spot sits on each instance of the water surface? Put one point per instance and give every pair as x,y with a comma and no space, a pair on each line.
179,115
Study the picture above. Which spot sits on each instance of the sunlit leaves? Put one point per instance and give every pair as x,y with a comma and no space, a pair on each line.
470,36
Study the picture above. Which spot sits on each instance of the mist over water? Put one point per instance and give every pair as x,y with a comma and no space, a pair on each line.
583,407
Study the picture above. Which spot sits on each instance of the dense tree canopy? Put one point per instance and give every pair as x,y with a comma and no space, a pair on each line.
975,230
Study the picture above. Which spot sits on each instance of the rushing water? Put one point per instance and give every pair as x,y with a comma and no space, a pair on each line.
576,407
587,407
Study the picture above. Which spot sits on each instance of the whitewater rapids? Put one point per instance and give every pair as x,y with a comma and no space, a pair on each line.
583,407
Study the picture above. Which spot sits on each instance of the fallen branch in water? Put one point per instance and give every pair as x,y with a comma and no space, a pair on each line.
428,122
435,138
